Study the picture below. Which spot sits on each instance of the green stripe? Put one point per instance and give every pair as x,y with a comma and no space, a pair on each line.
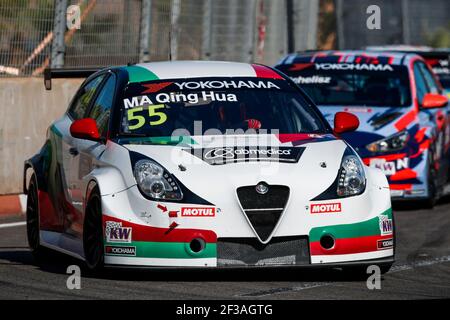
175,140
140,74
177,250
354,230
55,130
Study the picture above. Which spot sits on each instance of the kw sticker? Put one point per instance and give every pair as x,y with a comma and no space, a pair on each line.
116,233
386,225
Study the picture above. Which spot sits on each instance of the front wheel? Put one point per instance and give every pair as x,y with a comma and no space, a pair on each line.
40,254
432,187
93,233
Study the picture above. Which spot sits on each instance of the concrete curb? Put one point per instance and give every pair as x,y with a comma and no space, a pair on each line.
13,204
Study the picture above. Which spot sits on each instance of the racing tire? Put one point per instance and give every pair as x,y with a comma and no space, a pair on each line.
432,187
40,254
93,233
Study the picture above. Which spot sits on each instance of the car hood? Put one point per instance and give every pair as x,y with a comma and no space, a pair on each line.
275,159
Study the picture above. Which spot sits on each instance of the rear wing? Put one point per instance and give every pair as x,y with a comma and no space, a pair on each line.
49,74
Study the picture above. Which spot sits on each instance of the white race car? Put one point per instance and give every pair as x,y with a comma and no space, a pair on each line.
204,164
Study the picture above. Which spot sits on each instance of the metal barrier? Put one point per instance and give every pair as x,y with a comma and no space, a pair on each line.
36,34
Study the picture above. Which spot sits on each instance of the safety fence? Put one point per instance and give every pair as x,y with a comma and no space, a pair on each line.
36,34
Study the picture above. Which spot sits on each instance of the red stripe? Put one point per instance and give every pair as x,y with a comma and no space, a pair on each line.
420,134
265,72
394,186
300,66
286,137
404,174
404,121
389,157
154,234
349,245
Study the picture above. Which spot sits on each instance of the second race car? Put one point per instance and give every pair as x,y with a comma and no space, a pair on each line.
405,118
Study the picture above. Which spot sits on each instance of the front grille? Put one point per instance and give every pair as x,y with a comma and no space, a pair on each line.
251,252
263,210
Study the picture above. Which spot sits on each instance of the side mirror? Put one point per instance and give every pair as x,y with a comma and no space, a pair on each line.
345,122
85,129
433,100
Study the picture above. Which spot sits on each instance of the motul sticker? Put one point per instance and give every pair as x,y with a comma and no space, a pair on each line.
385,244
198,212
326,208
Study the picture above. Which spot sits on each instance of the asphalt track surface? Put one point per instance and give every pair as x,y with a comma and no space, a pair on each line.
421,271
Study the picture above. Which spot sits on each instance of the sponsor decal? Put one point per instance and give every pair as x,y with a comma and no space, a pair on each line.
443,70
351,66
203,95
385,244
326,208
226,84
198,212
385,225
116,233
358,109
439,66
222,155
120,250
389,167
171,97
311,80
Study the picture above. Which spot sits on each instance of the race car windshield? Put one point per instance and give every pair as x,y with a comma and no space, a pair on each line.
159,108
379,87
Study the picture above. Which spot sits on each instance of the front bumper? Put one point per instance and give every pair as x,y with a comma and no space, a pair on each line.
165,247
379,262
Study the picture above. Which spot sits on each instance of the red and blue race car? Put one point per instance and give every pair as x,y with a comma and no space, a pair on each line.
404,114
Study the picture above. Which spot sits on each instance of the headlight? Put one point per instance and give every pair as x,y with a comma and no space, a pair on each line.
155,182
396,142
351,179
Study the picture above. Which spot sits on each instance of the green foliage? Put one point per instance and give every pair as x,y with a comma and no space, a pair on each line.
440,38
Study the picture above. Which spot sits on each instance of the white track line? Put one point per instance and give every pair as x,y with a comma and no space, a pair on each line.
305,286
13,224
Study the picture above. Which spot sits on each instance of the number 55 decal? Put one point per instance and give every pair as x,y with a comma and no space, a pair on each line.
152,112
